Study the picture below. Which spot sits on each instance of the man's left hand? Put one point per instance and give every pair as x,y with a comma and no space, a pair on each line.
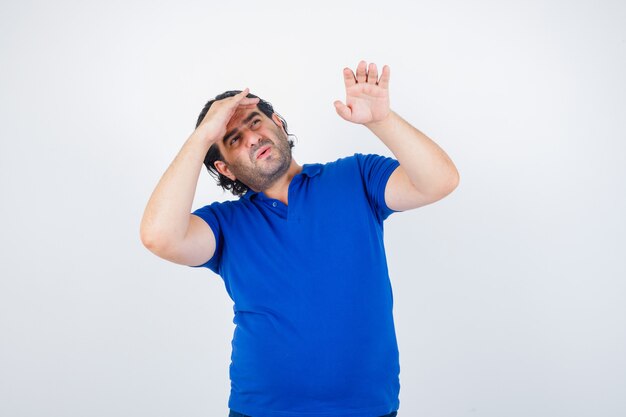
367,96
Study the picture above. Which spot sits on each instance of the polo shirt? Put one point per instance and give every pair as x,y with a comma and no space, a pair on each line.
314,332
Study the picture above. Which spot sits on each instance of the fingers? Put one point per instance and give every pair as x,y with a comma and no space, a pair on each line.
241,99
241,96
372,74
367,74
249,104
224,109
348,77
384,78
361,76
343,110
213,125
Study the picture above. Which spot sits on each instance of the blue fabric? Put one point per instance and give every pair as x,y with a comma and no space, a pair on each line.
313,302
236,414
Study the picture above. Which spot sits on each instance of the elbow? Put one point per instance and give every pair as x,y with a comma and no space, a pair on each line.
145,234
156,244
152,239
147,240
455,182
452,184
158,239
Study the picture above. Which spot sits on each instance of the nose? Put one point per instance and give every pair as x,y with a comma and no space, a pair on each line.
252,139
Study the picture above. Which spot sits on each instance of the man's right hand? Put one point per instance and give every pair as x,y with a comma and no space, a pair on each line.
168,228
213,126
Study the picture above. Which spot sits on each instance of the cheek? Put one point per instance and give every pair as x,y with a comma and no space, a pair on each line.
240,159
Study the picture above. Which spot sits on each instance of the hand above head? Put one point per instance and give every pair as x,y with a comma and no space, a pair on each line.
213,125
367,96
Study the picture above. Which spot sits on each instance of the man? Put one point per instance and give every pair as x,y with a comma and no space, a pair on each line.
301,252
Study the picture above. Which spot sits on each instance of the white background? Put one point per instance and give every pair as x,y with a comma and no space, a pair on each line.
509,293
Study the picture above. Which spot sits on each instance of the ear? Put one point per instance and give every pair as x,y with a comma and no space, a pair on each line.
279,122
222,168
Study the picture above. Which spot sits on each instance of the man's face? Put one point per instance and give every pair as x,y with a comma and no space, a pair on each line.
255,149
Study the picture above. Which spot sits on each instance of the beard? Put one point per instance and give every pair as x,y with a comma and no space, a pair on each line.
261,174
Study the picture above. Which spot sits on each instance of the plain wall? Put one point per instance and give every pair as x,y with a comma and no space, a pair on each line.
509,293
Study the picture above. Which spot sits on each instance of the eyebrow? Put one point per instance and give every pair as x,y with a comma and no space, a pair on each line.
235,130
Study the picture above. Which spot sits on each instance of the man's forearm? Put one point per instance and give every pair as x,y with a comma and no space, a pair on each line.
428,167
166,217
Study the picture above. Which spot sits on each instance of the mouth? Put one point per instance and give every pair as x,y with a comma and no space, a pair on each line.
263,152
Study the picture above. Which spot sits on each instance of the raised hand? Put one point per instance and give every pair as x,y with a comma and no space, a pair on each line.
213,125
367,96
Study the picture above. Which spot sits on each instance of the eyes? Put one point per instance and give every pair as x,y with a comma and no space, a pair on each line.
235,138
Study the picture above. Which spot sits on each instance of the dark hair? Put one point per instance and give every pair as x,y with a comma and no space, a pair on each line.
236,187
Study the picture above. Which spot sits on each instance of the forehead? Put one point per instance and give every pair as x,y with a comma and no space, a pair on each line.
240,116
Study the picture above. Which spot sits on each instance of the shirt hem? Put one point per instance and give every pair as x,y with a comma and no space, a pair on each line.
360,412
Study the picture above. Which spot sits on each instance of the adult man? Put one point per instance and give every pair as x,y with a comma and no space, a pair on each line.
301,252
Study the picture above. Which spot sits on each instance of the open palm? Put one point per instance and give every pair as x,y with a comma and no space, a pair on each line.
367,96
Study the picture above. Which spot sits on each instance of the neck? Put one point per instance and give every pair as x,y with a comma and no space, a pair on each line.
280,189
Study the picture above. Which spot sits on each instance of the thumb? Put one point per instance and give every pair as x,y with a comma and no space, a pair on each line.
342,110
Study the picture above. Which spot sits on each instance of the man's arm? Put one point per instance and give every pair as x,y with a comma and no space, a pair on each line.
168,229
426,173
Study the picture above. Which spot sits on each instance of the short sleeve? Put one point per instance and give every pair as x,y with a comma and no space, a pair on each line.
208,214
375,172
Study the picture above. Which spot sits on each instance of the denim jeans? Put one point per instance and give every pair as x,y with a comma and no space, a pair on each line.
236,414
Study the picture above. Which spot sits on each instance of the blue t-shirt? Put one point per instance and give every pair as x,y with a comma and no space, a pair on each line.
314,333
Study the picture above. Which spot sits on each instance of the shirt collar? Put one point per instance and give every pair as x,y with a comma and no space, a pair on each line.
310,170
